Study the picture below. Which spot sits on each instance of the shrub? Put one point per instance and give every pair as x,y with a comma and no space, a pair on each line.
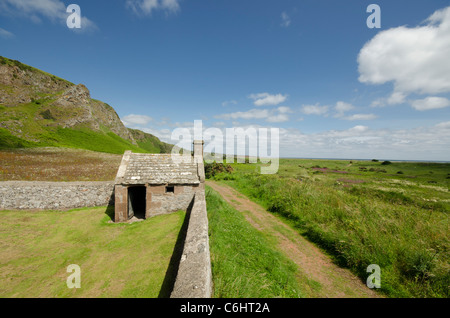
46,114
384,163
212,169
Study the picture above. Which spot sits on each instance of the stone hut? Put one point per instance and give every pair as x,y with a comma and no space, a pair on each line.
152,184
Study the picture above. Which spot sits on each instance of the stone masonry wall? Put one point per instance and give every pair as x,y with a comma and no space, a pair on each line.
21,195
194,278
162,203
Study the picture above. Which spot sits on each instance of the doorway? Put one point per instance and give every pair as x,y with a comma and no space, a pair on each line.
137,202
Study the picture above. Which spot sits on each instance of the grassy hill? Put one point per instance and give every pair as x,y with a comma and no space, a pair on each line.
38,109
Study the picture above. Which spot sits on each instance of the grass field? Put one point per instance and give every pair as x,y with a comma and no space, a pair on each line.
245,263
116,260
361,212
365,212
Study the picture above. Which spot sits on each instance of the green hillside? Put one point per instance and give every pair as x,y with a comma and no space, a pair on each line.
38,109
149,142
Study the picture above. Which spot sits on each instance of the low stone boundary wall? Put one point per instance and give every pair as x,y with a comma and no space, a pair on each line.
21,195
194,278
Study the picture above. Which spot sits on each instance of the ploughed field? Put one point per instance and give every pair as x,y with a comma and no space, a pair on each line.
57,164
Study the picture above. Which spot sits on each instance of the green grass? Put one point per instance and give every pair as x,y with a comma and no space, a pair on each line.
95,141
149,142
47,134
245,264
116,260
398,221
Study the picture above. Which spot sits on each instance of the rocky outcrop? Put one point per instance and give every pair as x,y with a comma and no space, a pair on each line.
56,102
20,83
75,107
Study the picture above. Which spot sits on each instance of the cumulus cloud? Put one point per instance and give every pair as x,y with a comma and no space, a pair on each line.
356,142
430,103
314,109
361,142
133,120
414,59
35,10
276,115
342,107
146,7
266,99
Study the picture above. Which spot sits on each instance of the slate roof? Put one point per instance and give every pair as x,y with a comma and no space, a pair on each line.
137,168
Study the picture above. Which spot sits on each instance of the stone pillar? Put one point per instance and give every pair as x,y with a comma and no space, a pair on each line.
121,203
198,151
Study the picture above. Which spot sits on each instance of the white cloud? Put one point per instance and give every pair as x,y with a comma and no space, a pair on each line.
357,142
414,59
430,103
229,102
443,125
359,129
146,7
277,115
133,120
250,114
394,99
280,118
314,109
361,117
54,10
284,109
6,34
361,142
285,20
342,107
266,99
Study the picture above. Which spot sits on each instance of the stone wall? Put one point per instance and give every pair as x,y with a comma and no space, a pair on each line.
194,278
21,195
162,203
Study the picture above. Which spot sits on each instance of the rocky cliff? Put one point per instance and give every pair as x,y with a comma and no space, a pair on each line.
63,103
40,109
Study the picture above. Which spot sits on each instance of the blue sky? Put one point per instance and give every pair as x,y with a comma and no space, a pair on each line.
334,87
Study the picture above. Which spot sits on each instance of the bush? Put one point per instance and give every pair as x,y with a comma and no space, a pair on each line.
213,169
384,163
46,114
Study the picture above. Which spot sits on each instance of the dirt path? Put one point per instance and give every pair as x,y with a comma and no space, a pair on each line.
317,274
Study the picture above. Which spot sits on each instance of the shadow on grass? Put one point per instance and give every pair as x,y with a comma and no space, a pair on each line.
110,212
172,271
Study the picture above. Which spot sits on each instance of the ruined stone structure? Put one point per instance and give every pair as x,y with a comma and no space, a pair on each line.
151,184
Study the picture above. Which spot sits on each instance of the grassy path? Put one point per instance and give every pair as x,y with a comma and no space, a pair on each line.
317,274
